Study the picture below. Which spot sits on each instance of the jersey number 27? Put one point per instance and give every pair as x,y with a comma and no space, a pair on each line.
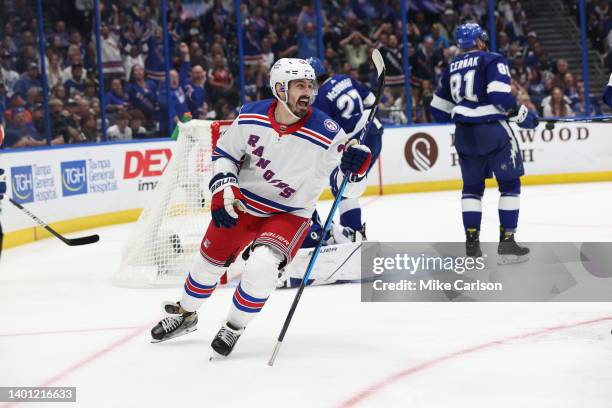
346,103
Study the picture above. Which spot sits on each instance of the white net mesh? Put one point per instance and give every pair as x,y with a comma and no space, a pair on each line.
170,228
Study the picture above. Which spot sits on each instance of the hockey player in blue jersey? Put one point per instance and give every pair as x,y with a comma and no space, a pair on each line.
474,93
607,95
348,102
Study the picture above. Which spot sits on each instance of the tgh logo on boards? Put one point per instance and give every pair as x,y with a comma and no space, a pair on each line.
421,151
74,178
23,184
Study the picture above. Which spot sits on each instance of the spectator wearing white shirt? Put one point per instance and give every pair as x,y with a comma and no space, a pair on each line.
9,76
134,57
121,130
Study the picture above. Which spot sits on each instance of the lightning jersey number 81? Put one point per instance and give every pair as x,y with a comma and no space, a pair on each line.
456,80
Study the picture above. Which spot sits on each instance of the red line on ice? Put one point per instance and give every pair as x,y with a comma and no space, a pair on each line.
116,344
80,364
42,333
378,386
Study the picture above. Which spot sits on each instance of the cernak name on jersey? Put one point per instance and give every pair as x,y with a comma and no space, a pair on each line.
464,63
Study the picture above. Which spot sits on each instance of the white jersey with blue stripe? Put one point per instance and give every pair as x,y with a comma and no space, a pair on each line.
344,100
474,88
280,168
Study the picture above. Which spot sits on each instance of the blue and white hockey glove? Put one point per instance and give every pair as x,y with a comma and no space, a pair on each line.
226,199
524,118
2,184
356,159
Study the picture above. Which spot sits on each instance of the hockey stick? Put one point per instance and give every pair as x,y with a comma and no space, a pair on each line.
68,241
380,70
550,125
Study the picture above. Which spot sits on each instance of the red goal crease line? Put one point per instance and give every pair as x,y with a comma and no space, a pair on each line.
377,387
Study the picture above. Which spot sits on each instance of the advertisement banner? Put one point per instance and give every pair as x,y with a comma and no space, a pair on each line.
77,181
427,153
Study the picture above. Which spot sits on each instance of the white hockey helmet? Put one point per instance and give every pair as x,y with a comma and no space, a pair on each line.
289,69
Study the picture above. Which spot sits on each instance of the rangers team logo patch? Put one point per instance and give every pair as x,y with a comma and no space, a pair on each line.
331,125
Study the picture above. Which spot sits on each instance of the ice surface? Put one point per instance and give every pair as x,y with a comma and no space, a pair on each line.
63,323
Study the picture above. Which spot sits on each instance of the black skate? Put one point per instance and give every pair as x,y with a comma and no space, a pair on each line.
178,323
508,251
225,340
346,234
472,243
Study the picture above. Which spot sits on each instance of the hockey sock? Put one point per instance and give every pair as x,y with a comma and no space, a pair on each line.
350,213
509,203
471,206
258,281
200,283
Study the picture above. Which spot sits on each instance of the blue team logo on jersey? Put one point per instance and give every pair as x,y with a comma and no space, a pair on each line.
331,125
22,184
74,178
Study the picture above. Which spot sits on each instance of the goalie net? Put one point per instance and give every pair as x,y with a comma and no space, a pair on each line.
170,227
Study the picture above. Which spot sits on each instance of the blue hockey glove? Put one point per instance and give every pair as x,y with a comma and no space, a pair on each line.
524,118
356,158
226,199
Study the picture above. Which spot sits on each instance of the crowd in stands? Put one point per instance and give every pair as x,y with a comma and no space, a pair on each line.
205,75
599,26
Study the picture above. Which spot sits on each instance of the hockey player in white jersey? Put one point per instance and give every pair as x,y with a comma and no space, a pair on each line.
270,167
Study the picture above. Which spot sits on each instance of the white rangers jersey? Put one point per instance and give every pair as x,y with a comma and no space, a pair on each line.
280,168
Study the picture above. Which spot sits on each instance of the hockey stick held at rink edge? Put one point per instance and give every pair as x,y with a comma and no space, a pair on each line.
90,239
380,70
550,125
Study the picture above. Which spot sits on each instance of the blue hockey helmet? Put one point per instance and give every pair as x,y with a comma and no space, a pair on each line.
468,33
317,65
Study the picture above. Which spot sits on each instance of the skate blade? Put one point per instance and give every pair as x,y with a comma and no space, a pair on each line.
192,329
511,259
216,356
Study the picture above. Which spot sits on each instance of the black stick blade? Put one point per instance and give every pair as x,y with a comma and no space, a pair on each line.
83,240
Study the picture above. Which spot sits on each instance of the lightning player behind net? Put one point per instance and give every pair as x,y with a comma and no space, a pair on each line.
475,93
270,167
348,102
607,94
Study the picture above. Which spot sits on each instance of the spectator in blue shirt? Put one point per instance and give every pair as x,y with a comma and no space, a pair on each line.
3,100
20,133
179,102
28,80
76,82
440,40
193,80
142,94
307,42
115,99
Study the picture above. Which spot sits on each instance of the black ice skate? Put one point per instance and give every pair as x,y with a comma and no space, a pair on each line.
351,235
178,323
508,251
472,243
225,340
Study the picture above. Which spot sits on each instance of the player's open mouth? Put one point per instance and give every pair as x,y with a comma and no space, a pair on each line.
302,103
